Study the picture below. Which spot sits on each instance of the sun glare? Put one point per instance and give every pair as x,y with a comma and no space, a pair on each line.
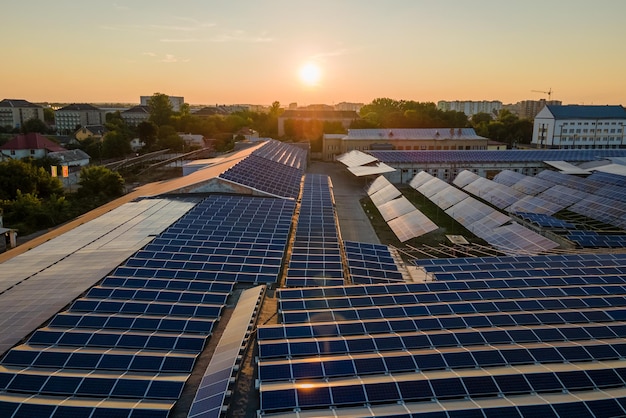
310,74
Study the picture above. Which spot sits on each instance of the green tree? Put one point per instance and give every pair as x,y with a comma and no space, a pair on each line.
389,113
115,145
35,125
19,175
147,132
481,117
160,108
169,139
48,115
100,182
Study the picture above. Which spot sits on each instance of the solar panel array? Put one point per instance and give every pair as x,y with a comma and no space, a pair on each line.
600,196
316,251
515,156
283,153
404,219
510,335
545,221
39,282
592,239
266,175
371,263
355,158
210,400
136,335
497,194
479,218
508,177
228,238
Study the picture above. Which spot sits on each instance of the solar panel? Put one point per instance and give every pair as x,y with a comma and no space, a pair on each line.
411,225
385,195
266,175
210,396
395,208
508,177
378,184
355,158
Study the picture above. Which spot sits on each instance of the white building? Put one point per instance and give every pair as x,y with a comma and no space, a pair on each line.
14,112
470,107
176,102
580,127
68,118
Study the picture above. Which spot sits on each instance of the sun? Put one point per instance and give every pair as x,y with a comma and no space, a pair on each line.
310,74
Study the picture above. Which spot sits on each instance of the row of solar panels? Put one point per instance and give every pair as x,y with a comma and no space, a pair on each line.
471,156
316,227
529,338
597,197
136,336
479,218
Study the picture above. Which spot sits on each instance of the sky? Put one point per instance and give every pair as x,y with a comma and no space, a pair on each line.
253,51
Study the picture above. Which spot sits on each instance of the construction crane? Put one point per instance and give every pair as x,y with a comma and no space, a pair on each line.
549,92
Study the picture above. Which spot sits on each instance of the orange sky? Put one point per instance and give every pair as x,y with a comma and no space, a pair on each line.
252,52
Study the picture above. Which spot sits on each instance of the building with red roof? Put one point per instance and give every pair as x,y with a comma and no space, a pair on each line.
28,145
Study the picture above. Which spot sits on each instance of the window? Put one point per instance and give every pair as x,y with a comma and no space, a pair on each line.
32,152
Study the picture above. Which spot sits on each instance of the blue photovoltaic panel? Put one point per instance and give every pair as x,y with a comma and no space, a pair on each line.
592,239
371,263
489,315
545,221
316,256
153,314
458,157
266,175
280,152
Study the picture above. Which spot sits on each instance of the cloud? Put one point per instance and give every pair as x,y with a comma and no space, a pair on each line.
169,58
178,28
182,40
189,25
120,7
336,53
234,36
241,36
173,58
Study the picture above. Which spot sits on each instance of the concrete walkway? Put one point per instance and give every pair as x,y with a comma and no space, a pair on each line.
348,190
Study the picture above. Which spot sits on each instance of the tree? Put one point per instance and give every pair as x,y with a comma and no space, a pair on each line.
48,115
100,182
35,125
147,132
389,113
160,108
481,117
115,145
16,175
169,139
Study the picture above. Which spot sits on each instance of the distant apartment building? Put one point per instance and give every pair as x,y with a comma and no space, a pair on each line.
402,139
135,115
580,127
176,101
470,107
14,112
68,118
528,109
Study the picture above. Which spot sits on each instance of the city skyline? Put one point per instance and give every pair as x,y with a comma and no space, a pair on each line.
326,52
